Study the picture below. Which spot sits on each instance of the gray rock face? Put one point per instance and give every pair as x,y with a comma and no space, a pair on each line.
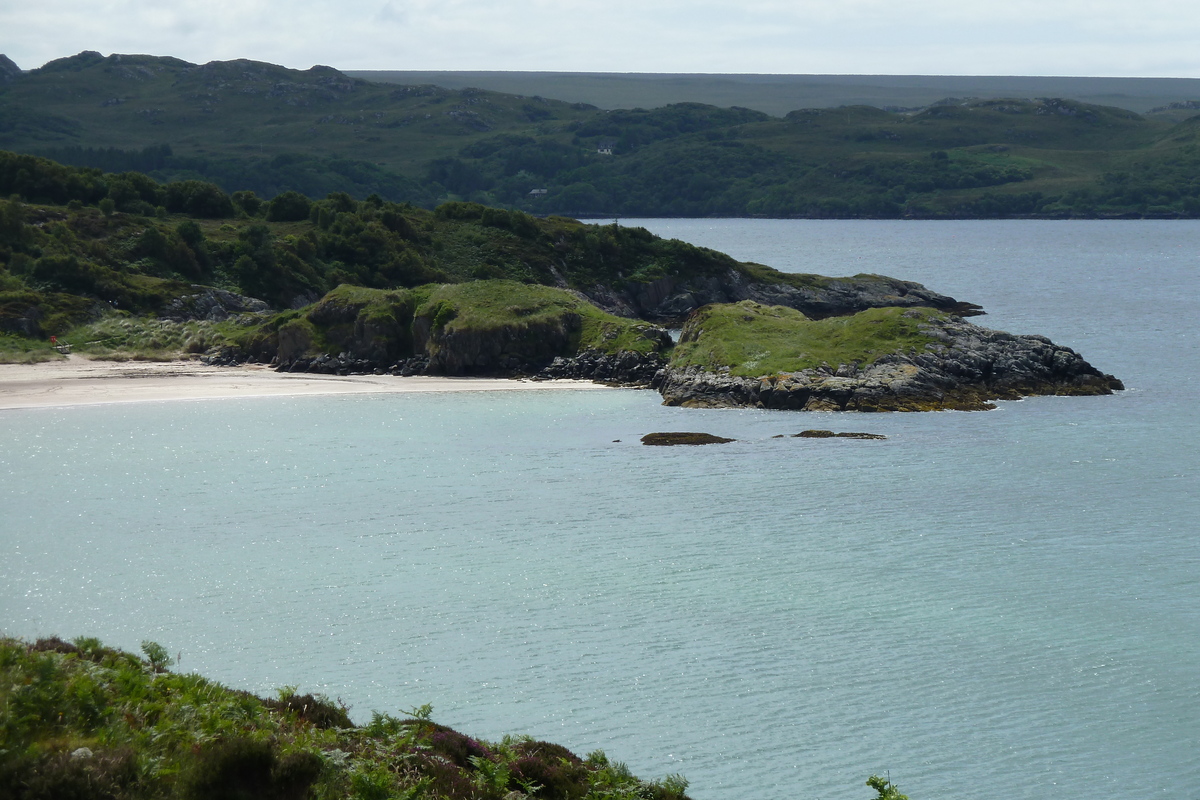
669,300
970,367
212,304
627,368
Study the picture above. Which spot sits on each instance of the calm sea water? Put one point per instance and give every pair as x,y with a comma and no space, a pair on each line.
989,603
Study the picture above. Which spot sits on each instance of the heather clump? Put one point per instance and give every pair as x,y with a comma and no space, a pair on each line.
81,720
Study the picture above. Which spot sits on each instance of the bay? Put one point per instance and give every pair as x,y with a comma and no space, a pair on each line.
1007,600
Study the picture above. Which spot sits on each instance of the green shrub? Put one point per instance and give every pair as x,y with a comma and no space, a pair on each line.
288,207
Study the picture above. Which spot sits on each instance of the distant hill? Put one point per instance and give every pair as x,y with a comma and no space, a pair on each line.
778,94
246,125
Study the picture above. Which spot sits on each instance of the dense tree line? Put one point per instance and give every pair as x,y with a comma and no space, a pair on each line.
71,237
311,175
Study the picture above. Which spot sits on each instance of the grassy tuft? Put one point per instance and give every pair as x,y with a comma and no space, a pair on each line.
751,339
120,337
489,306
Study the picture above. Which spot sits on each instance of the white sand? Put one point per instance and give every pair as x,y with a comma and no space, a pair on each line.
78,381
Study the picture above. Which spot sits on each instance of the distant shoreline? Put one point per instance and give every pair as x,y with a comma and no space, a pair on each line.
778,94
78,381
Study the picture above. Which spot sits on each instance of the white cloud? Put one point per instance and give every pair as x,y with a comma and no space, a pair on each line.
1067,37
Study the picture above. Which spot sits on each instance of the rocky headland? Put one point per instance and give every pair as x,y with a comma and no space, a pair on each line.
942,362
730,355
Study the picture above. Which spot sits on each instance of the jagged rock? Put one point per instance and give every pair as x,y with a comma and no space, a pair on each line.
212,304
968,368
682,438
626,368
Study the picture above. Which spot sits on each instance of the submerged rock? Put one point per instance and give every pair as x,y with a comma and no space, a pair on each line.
815,434
677,438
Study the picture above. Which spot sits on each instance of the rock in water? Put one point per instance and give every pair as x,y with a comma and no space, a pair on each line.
815,434
676,438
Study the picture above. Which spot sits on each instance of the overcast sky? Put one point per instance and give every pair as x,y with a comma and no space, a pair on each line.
1152,38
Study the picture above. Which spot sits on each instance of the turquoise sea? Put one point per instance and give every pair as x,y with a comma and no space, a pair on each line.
1002,603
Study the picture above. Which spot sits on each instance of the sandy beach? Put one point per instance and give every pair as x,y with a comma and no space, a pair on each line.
78,381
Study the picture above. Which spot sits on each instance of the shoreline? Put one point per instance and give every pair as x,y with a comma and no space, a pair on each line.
79,381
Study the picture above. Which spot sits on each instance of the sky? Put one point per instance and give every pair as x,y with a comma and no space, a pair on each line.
1150,38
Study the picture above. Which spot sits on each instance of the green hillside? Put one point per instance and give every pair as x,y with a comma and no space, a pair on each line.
779,94
85,256
244,125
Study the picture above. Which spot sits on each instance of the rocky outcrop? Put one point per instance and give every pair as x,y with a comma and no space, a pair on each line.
965,369
626,368
676,438
508,349
668,300
818,434
9,71
211,304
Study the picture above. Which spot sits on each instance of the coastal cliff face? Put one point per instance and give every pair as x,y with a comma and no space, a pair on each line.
958,366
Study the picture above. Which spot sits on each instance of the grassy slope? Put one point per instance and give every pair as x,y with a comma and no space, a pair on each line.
488,306
752,339
151,733
388,325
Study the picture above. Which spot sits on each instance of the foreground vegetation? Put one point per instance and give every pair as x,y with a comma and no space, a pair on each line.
248,126
80,720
